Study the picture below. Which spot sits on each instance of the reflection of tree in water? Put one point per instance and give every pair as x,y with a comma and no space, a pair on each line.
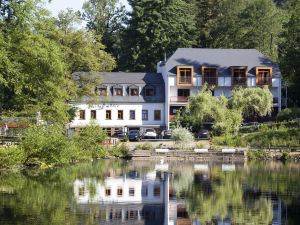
221,197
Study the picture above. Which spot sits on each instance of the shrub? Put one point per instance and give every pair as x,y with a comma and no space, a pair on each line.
289,114
11,156
47,145
120,150
229,140
183,137
257,155
89,142
144,146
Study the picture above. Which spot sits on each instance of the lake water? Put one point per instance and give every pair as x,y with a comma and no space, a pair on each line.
152,193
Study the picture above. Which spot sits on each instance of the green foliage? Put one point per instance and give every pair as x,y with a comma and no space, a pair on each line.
288,114
290,52
11,156
159,27
38,55
229,140
257,155
47,145
144,146
252,101
239,24
120,150
274,138
89,142
227,114
183,137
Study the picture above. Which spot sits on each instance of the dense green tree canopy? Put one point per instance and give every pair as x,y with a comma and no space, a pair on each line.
38,56
156,28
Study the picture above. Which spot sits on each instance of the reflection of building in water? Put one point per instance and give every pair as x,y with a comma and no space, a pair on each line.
150,200
126,200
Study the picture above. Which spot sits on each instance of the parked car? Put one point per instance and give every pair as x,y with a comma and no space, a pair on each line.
121,135
203,134
166,134
150,133
134,135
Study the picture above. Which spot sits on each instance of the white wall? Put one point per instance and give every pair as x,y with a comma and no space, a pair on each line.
114,107
115,183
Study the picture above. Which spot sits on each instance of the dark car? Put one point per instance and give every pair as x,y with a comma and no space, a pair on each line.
203,134
134,135
122,135
166,134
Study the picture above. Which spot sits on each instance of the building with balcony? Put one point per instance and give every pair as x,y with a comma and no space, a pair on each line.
188,69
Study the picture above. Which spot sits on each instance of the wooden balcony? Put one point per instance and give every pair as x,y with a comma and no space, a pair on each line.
239,81
179,99
210,80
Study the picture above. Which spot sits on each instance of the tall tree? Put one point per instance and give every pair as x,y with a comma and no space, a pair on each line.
290,53
107,19
239,24
156,27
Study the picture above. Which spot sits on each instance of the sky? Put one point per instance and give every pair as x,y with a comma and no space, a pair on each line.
57,5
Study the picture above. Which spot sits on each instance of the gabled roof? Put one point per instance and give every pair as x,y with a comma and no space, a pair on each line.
223,58
111,79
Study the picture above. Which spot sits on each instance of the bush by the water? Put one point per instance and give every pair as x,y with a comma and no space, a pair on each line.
11,156
229,140
120,150
183,137
288,114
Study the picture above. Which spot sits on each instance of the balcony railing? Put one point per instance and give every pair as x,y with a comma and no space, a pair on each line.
264,81
210,80
239,81
178,99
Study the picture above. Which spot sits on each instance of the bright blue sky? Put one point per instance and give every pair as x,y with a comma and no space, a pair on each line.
57,5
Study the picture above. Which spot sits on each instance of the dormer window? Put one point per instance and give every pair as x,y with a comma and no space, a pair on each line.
149,91
118,90
133,91
263,76
101,91
239,76
210,75
185,75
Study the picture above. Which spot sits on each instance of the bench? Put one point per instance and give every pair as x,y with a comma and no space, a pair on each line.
228,150
161,150
201,150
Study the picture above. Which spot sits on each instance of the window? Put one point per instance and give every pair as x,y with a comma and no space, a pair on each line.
132,115
118,91
144,114
184,75
144,191
120,192
132,215
93,114
108,114
131,191
120,114
81,191
183,92
156,191
263,76
239,76
149,91
102,91
134,91
209,75
82,114
107,192
156,114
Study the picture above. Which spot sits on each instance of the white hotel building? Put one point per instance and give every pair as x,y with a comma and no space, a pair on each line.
141,100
